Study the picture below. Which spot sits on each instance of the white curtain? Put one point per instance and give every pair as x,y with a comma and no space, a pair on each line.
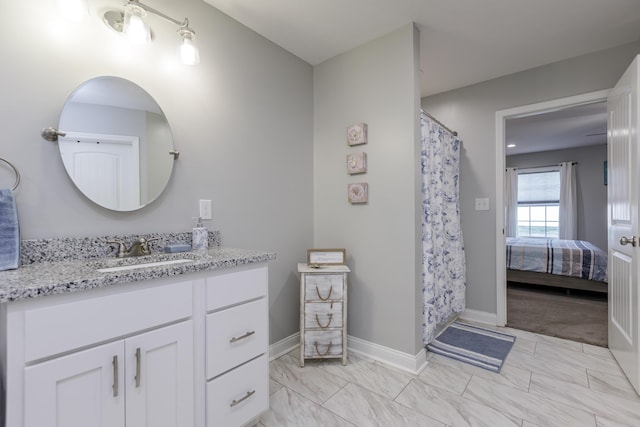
511,202
568,225
443,262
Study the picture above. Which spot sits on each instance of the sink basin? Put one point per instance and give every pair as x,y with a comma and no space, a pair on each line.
143,265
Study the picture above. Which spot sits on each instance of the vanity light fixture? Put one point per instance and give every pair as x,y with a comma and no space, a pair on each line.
133,24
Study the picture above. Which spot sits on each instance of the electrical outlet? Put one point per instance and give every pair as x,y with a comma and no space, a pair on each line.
482,204
205,209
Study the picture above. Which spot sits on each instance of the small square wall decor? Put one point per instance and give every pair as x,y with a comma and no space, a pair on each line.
356,163
357,134
358,192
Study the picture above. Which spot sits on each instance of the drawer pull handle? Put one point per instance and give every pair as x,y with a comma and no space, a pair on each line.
115,376
328,322
138,362
239,401
241,337
328,296
326,352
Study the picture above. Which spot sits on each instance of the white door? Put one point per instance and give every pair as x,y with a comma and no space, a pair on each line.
159,377
623,164
84,389
105,168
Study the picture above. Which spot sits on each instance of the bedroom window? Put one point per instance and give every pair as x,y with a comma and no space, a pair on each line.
538,203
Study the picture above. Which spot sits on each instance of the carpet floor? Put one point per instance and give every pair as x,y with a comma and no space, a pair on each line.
578,317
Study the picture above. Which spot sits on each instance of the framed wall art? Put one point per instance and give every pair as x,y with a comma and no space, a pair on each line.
357,134
358,192
356,163
318,257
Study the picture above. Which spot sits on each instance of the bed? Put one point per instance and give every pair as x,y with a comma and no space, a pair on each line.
571,264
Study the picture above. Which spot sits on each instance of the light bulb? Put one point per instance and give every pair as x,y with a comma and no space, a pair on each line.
135,27
189,52
73,10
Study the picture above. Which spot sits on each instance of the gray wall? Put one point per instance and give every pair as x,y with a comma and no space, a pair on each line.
238,119
590,188
376,83
471,111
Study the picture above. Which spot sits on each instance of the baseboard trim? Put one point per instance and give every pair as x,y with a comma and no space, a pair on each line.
284,346
388,356
368,350
479,317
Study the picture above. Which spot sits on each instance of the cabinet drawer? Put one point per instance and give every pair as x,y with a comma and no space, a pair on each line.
236,335
233,288
323,343
238,396
323,287
322,315
64,327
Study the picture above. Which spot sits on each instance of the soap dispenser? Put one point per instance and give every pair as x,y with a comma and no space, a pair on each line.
200,240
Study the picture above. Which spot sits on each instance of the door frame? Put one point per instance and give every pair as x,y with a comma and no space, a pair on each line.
501,117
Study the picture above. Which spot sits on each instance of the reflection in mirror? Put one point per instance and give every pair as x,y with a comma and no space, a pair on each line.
117,144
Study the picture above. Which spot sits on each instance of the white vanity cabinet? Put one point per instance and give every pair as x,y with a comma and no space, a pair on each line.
117,356
180,351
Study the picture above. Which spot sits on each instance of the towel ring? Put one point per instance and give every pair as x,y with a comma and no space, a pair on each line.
15,171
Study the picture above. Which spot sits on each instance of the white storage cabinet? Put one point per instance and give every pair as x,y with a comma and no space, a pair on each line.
323,312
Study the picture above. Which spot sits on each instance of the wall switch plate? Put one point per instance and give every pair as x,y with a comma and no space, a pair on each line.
205,209
482,204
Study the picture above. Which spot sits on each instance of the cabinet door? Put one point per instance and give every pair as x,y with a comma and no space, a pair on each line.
159,377
84,389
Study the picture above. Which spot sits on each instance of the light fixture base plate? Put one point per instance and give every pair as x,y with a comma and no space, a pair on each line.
114,19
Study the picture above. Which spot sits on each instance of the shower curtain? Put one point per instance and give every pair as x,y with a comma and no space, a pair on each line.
443,262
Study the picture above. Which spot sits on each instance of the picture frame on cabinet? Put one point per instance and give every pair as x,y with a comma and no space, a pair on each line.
358,193
357,163
320,257
357,134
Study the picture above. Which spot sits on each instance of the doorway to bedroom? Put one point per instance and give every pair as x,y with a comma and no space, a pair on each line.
555,236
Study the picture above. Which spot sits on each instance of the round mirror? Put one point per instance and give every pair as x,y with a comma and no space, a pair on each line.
118,147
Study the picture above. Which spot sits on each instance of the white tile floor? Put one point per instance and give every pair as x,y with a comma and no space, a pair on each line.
545,382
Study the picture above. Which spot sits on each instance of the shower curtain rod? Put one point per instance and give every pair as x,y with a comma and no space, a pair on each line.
546,166
453,132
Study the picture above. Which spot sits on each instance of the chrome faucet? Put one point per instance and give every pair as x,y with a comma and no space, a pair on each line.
139,248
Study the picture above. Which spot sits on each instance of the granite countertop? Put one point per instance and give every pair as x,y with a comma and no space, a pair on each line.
49,278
